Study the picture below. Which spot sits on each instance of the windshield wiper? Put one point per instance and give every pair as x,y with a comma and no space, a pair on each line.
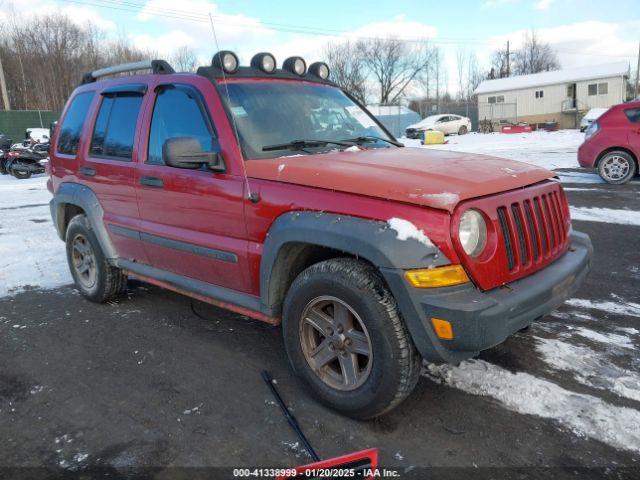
372,138
302,144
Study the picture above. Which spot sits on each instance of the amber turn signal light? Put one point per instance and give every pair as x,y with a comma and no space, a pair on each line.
437,277
443,328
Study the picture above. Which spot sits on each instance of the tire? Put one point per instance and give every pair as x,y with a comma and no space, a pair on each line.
100,281
20,174
617,167
387,375
462,130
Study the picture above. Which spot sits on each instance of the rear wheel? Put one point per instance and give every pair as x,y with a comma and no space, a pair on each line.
345,338
462,130
617,167
94,277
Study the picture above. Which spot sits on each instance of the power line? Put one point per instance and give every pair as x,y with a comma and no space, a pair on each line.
133,7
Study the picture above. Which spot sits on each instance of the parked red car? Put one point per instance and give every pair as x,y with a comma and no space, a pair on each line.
229,186
612,143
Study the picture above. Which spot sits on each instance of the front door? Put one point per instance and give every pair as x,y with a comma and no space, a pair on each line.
192,221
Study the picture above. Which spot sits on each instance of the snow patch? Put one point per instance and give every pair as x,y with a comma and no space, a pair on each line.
612,339
281,167
524,393
589,367
617,308
406,230
606,215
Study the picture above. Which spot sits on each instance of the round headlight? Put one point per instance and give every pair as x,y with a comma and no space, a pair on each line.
264,61
295,65
472,232
319,69
226,60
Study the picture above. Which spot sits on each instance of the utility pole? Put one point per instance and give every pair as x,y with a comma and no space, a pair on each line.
508,60
635,90
3,88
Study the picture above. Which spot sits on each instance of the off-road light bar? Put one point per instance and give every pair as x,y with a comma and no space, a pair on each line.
295,65
226,61
319,69
264,61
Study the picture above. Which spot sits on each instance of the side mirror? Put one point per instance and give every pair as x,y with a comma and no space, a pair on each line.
186,152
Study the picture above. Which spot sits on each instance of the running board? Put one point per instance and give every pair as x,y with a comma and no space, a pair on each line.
228,299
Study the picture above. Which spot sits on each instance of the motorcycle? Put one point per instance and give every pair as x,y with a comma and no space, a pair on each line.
5,147
27,161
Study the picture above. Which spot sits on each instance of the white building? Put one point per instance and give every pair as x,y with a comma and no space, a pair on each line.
561,96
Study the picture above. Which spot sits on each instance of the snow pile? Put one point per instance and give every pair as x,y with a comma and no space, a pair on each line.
545,149
406,230
31,254
523,393
607,215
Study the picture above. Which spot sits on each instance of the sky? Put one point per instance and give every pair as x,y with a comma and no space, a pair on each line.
583,32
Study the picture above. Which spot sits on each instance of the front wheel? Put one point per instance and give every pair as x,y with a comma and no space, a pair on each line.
617,167
94,277
344,336
462,130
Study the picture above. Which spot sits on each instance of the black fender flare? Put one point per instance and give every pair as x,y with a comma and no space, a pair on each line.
71,193
372,240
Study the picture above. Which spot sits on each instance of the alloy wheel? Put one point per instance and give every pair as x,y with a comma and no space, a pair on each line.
336,343
615,167
84,261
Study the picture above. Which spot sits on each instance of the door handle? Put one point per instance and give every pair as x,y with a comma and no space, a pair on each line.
152,182
88,171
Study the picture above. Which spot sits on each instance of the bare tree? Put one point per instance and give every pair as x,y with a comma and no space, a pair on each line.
347,68
499,64
184,59
45,57
534,56
394,64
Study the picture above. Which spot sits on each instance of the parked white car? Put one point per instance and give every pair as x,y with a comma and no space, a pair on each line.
446,123
590,116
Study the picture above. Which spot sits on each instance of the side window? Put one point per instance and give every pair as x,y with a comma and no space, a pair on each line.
178,112
592,89
539,93
633,114
71,127
500,99
115,127
603,88
492,99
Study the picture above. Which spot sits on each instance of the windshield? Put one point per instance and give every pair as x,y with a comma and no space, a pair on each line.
279,113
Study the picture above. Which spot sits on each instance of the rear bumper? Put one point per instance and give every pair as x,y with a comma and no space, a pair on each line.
587,155
481,320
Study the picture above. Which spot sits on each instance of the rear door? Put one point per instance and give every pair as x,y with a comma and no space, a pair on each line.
109,164
192,221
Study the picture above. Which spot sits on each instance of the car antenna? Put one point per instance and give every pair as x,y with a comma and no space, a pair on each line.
253,197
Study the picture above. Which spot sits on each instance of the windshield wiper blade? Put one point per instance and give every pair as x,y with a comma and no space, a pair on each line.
302,144
372,138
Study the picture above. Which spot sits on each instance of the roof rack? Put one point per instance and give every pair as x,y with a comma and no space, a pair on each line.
156,67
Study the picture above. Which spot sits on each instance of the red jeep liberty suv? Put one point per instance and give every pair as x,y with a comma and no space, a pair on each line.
273,193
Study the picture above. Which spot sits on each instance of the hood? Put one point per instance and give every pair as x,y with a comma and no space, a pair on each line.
432,178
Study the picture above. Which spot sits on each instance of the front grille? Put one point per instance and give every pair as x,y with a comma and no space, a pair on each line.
532,229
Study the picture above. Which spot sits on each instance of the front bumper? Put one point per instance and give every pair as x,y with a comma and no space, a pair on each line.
481,320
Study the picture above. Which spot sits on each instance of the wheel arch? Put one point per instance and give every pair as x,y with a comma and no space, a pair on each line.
297,240
72,199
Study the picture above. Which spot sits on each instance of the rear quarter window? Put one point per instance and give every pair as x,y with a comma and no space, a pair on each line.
633,114
71,127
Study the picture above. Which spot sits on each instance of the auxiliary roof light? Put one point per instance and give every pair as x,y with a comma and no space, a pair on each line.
319,69
264,61
226,60
295,65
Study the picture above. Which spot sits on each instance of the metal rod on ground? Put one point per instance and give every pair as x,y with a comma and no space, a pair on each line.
290,418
